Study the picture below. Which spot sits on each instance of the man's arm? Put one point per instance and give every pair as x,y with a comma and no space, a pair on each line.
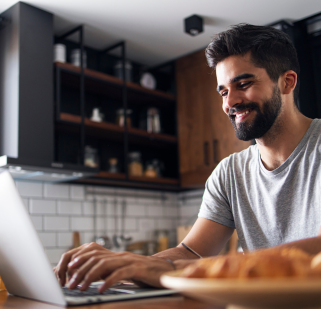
206,237
91,262
309,245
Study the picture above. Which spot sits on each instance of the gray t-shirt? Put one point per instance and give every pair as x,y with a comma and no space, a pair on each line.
268,208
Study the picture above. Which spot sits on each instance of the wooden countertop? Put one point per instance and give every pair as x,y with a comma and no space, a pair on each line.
173,302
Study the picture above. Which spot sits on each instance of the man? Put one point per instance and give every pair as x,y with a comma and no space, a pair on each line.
269,192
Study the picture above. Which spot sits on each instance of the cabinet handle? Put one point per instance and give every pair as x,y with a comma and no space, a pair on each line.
215,148
206,154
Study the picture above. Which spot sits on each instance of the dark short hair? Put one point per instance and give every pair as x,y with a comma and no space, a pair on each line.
270,49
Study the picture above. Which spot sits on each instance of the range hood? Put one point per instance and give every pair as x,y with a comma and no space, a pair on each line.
53,173
27,141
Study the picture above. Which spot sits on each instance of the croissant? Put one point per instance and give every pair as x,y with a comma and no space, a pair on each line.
268,263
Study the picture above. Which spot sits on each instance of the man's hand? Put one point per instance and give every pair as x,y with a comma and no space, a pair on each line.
62,268
92,262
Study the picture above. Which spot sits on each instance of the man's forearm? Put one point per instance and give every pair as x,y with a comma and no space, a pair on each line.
179,255
309,245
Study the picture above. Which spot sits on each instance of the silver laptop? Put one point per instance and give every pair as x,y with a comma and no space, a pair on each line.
25,268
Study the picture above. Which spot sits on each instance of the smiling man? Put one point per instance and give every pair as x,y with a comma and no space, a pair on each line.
270,193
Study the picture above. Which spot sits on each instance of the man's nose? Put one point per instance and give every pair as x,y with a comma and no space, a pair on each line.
231,101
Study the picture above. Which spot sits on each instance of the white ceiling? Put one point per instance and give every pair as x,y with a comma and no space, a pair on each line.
153,29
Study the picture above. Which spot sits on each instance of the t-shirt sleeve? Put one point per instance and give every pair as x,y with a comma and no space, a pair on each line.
215,205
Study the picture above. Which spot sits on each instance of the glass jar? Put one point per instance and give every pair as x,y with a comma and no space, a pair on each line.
120,119
113,165
91,157
150,171
135,166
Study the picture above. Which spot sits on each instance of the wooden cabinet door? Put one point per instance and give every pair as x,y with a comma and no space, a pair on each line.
205,133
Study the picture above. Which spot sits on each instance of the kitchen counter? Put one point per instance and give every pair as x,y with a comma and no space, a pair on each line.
173,302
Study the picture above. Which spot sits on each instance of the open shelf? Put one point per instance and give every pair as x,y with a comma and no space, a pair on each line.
112,128
80,92
159,180
105,84
103,174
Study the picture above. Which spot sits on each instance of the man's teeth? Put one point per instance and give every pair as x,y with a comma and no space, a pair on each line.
240,115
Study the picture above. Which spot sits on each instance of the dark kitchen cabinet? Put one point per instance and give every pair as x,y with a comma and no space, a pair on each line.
205,133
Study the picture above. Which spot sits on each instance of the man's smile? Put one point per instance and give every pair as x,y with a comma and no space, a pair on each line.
241,115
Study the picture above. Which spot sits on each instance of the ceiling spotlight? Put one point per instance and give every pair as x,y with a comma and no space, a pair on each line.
193,25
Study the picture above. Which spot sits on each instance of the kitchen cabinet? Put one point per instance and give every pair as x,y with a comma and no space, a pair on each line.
205,133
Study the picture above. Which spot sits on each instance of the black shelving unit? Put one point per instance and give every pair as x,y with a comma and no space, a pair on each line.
75,90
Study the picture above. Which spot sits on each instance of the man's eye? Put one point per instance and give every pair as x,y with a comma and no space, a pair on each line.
243,85
223,94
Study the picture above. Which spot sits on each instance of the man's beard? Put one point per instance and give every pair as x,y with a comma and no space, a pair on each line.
263,120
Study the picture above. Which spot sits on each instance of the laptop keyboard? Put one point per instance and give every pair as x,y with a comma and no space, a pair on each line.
90,292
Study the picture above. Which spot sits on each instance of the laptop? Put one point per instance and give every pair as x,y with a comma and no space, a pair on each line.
25,268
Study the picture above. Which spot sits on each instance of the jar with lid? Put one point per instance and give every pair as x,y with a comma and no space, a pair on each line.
91,157
120,119
135,166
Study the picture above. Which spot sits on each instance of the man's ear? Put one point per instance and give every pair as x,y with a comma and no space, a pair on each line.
288,82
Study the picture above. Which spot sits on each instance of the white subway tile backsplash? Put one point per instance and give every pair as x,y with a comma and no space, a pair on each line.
149,201
188,211
130,224
129,192
30,189
88,208
69,208
77,192
146,224
139,236
191,194
56,191
48,239
103,190
37,222
136,210
65,239
42,206
101,208
171,211
101,224
86,237
155,211
58,210
114,208
82,224
110,224
165,224
54,255
130,201
56,223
